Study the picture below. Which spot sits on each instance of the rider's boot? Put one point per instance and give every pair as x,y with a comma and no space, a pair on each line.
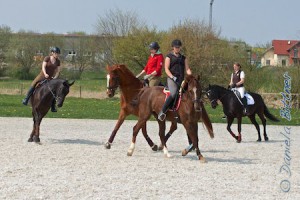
29,93
245,104
53,107
162,113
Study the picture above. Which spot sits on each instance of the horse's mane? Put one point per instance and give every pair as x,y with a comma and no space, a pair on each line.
219,87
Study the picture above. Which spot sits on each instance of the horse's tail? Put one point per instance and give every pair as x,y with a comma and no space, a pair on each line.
205,119
269,115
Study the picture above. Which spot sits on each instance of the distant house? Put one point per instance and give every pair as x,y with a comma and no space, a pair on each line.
282,53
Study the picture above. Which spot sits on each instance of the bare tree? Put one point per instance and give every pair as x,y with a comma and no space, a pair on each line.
114,25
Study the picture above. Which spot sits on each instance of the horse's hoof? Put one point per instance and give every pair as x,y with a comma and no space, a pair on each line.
168,155
154,148
129,153
266,139
202,159
160,148
30,140
258,140
36,140
184,152
107,145
239,141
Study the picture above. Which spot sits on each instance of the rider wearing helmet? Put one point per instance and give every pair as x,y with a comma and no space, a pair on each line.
154,65
50,70
176,65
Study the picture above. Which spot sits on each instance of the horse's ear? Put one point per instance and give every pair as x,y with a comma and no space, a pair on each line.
70,84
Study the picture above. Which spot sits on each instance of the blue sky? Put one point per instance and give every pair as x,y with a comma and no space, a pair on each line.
255,21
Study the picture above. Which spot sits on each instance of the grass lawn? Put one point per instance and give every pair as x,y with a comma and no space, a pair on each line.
79,108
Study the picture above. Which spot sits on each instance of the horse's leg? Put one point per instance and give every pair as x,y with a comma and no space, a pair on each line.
229,123
188,148
148,139
162,130
264,122
192,131
120,121
33,131
173,128
36,137
239,138
252,118
136,130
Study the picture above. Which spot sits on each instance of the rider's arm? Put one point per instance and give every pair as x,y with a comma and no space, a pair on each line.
57,72
231,82
137,76
44,69
187,67
167,66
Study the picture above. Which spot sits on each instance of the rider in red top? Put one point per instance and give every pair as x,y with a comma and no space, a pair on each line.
154,65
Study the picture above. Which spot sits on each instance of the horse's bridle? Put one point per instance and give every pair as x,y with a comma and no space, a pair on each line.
53,94
214,100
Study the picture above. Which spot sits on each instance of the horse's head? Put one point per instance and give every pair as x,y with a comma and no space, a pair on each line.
113,80
61,91
193,87
213,95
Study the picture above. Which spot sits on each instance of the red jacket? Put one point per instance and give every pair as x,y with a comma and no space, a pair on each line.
154,63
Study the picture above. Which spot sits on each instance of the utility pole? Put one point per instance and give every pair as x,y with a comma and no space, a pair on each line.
210,14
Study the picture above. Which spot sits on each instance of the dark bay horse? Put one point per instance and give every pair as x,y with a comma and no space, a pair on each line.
120,76
150,101
41,100
233,109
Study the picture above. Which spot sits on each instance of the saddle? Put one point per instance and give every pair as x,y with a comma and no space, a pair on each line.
250,100
175,105
40,83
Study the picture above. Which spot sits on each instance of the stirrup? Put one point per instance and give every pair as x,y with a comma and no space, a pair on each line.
161,116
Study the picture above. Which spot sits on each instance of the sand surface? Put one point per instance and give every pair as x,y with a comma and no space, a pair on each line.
72,163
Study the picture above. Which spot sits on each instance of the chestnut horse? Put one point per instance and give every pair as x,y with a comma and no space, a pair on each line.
150,101
232,108
121,76
41,100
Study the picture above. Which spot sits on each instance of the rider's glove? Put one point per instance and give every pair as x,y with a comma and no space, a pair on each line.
147,76
233,85
174,78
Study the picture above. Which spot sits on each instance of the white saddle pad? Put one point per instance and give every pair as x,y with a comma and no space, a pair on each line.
250,99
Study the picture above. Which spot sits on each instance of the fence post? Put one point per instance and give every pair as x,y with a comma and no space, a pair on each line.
80,91
21,90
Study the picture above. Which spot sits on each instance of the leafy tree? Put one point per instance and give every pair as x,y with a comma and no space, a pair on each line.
5,35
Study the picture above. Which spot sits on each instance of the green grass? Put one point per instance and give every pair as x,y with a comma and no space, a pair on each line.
78,108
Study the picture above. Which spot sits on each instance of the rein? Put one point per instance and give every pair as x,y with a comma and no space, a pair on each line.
54,96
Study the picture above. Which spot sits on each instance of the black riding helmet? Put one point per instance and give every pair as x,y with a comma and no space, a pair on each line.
176,43
55,50
154,45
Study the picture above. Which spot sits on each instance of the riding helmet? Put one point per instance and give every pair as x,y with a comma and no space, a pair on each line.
55,50
154,45
176,43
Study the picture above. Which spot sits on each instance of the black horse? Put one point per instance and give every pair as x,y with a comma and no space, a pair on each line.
232,108
41,100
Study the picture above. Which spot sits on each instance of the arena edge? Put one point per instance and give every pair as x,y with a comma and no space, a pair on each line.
285,112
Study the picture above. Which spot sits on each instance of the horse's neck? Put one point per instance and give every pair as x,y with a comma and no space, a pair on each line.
130,88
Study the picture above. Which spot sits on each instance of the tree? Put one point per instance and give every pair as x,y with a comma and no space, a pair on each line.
5,36
115,24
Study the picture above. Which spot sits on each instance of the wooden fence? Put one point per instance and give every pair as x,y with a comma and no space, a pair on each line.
272,100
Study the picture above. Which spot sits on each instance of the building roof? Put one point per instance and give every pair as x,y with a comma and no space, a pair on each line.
281,47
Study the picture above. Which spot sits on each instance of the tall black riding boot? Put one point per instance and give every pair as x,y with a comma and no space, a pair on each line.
53,107
162,113
29,93
246,110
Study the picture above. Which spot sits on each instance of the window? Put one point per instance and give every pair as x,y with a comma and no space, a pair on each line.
268,62
295,53
283,62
